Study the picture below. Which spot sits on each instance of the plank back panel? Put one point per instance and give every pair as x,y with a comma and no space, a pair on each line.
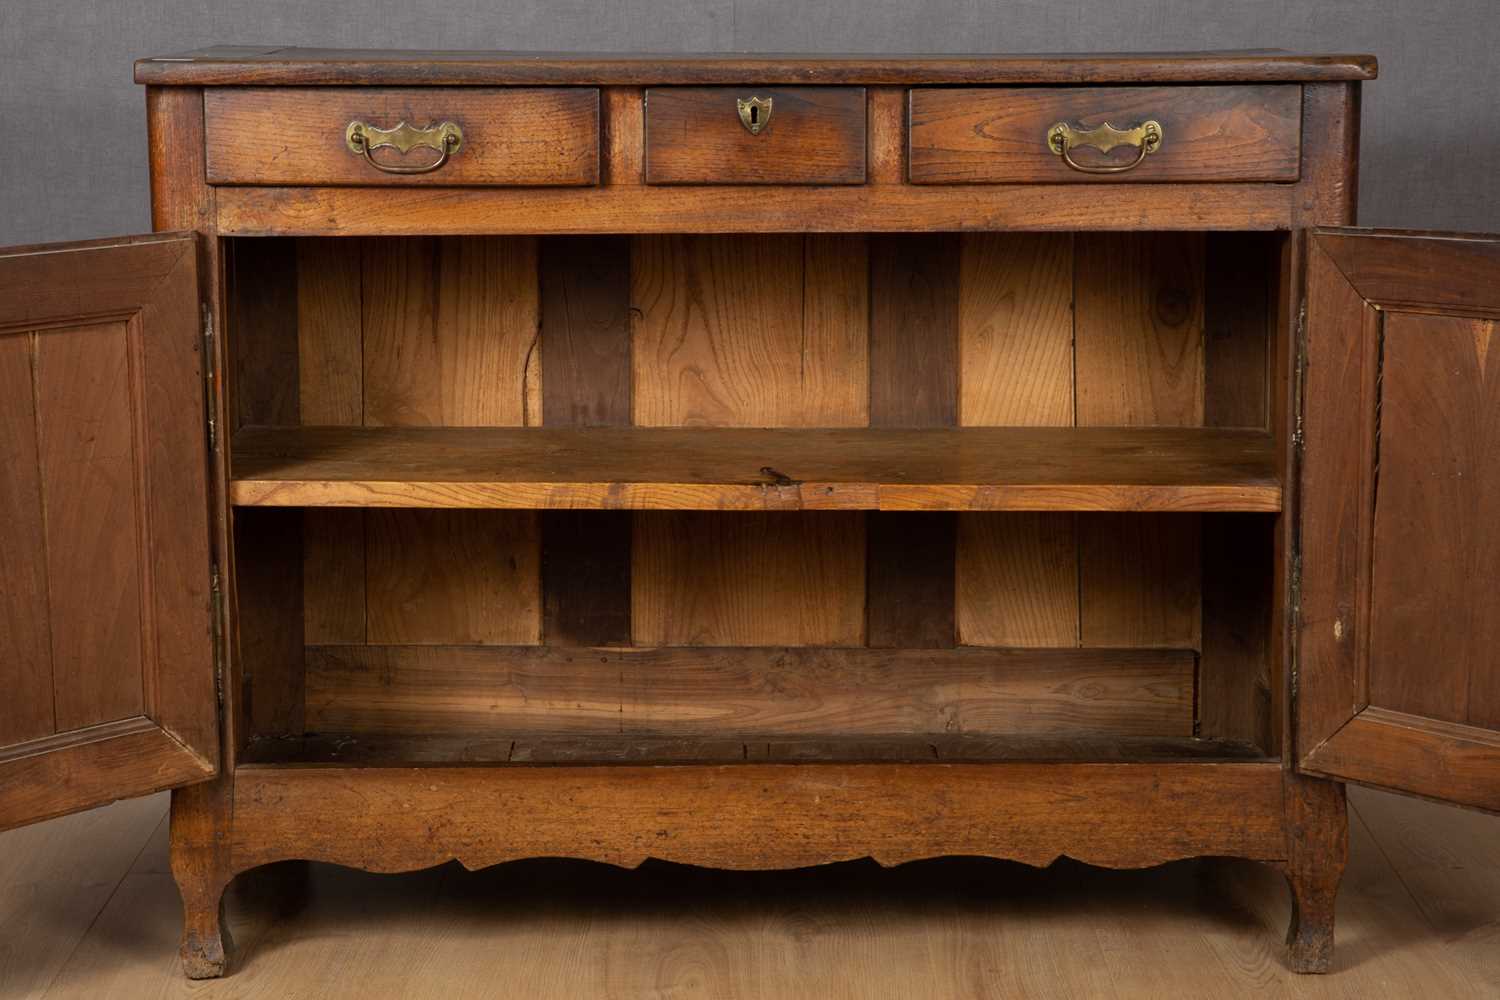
585,348
1017,573
420,332
1241,291
760,331
748,579
708,692
1139,362
330,308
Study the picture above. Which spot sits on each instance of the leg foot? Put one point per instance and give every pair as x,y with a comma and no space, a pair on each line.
1318,847
205,941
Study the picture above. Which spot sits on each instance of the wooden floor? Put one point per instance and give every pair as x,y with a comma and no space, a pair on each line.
88,909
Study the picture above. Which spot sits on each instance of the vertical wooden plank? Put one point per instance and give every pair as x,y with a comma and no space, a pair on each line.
585,324
453,577
835,389
1017,580
913,383
1015,328
269,633
1139,582
329,313
719,338
910,580
624,123
25,646
748,331
450,326
762,579
262,279
886,145
1017,573
1138,332
330,310
1234,672
914,331
1139,329
450,334
585,321
88,454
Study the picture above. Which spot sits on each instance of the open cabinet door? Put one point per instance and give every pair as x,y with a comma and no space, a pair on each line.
106,643
1398,667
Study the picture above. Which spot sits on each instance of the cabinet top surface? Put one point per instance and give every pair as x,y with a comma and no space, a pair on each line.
273,66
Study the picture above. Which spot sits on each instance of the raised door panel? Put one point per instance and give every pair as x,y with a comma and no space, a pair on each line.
1399,678
106,647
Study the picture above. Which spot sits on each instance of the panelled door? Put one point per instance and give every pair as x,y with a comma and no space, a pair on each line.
106,645
1398,672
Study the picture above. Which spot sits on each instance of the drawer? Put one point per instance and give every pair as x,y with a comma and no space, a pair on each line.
755,135
1031,135
512,136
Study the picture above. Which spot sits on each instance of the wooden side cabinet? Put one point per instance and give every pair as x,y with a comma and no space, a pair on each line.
751,463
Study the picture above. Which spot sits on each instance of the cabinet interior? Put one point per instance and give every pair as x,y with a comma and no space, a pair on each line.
399,634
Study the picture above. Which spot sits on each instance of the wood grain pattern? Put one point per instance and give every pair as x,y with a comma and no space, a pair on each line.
1017,575
242,65
747,332
773,579
453,577
713,693
270,632
814,135
745,208
261,283
910,580
516,136
971,468
914,331
1139,358
450,332
330,370
585,348
26,712
88,436
584,312
1015,322
999,135
1027,812
1018,580
1240,580
1432,646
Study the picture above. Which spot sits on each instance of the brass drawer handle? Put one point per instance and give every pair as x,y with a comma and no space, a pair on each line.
1146,137
755,113
446,138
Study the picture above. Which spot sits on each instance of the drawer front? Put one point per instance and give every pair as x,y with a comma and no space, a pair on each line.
783,135
512,136
1010,135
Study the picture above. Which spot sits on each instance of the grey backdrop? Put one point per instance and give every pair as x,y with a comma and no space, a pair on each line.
73,163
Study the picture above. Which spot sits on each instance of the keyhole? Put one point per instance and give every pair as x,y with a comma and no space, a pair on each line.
754,115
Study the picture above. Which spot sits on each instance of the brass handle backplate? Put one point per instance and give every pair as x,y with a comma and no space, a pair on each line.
1063,138
445,138
755,113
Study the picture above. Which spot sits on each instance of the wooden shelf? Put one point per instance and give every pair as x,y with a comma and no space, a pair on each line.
979,468
365,750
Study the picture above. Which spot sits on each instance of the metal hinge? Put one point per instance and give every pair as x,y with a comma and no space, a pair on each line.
208,378
216,605
1294,597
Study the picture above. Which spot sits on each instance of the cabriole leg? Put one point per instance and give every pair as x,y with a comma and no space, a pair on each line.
200,864
1318,848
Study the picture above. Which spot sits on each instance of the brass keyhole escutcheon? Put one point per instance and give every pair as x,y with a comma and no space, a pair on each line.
755,113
